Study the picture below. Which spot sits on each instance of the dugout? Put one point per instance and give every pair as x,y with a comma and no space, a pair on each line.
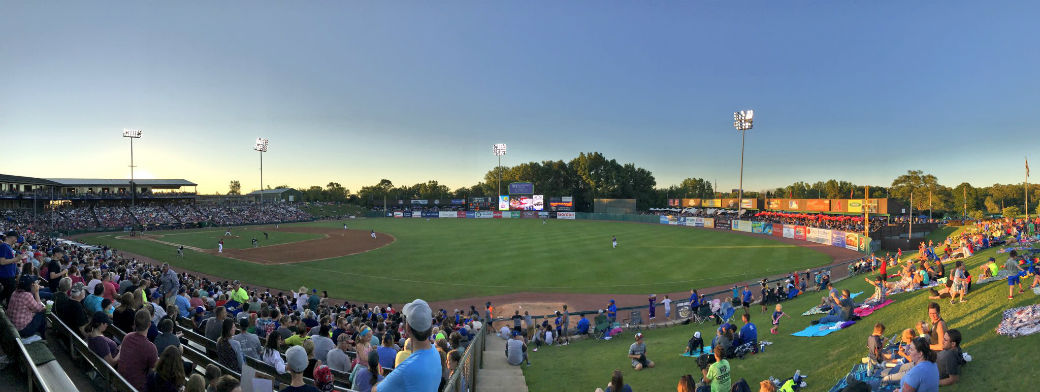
614,206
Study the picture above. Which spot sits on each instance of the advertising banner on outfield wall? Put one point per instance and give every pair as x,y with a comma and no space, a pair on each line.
818,205
681,221
749,204
864,243
565,203
417,214
711,203
794,205
398,214
851,241
756,227
503,203
664,219
484,215
675,202
838,238
497,214
775,204
762,228
723,224
407,214
691,202
818,235
458,202
672,220
565,215
470,214
855,206
449,214
431,214
741,225
709,222
461,214
778,230
799,233
543,214
788,231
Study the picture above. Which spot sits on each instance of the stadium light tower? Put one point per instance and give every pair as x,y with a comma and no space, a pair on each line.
742,121
261,146
499,150
132,134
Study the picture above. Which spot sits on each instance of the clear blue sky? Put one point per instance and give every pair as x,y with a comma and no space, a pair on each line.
419,90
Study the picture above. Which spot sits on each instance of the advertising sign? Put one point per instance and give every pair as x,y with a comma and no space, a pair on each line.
729,203
521,188
485,215
818,205
496,214
470,214
565,203
767,228
741,225
430,214
672,220
748,203
855,205
543,214
664,219
722,224
406,214
565,215
709,222
788,231
674,202
417,214
681,221
864,243
691,202
851,241
799,233
775,204
419,202
838,238
449,214
711,203
871,205
398,214
778,230
503,203
756,227
458,202
794,205
538,202
463,214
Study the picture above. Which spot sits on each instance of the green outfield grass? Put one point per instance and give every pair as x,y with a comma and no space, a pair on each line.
586,365
241,237
453,258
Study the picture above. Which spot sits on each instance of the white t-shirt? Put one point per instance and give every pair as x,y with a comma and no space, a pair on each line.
667,304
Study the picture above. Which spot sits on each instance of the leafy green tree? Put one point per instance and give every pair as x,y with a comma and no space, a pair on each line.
915,183
235,188
1011,212
979,215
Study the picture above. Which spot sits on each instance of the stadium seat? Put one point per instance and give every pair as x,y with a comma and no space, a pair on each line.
36,358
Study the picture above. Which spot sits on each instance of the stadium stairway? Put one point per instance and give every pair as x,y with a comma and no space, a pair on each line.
497,375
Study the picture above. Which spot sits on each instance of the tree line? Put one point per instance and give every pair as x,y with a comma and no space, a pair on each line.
592,175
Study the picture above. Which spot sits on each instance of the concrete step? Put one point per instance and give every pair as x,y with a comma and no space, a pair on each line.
497,375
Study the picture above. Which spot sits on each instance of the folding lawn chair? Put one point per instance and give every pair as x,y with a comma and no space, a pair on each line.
635,320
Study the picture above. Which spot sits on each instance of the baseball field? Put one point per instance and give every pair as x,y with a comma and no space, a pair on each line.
443,259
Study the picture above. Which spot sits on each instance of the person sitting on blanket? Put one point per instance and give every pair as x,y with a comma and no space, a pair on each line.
934,329
876,344
748,337
950,358
942,292
901,359
723,338
832,299
844,310
879,290
695,345
989,269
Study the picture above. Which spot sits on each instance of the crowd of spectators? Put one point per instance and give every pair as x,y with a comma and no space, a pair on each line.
303,333
152,215
68,219
118,216
187,214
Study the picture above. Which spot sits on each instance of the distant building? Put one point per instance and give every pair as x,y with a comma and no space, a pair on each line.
276,195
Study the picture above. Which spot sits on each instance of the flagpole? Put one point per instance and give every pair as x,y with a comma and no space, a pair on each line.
1027,190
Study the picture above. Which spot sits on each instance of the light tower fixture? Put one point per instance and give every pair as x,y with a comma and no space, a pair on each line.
742,121
499,149
132,134
261,146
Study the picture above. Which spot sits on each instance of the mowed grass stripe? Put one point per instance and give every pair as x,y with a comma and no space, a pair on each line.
450,258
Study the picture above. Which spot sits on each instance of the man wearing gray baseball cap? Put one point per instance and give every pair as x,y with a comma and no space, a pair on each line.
422,370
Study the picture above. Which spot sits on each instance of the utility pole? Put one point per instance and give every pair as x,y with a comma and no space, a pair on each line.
910,235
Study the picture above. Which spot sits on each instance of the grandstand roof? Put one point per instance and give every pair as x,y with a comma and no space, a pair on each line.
120,182
271,191
25,180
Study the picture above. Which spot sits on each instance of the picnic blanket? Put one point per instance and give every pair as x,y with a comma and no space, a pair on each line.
823,329
704,350
859,372
1020,321
817,310
866,310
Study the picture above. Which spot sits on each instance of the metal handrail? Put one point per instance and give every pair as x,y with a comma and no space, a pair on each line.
471,363
77,344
